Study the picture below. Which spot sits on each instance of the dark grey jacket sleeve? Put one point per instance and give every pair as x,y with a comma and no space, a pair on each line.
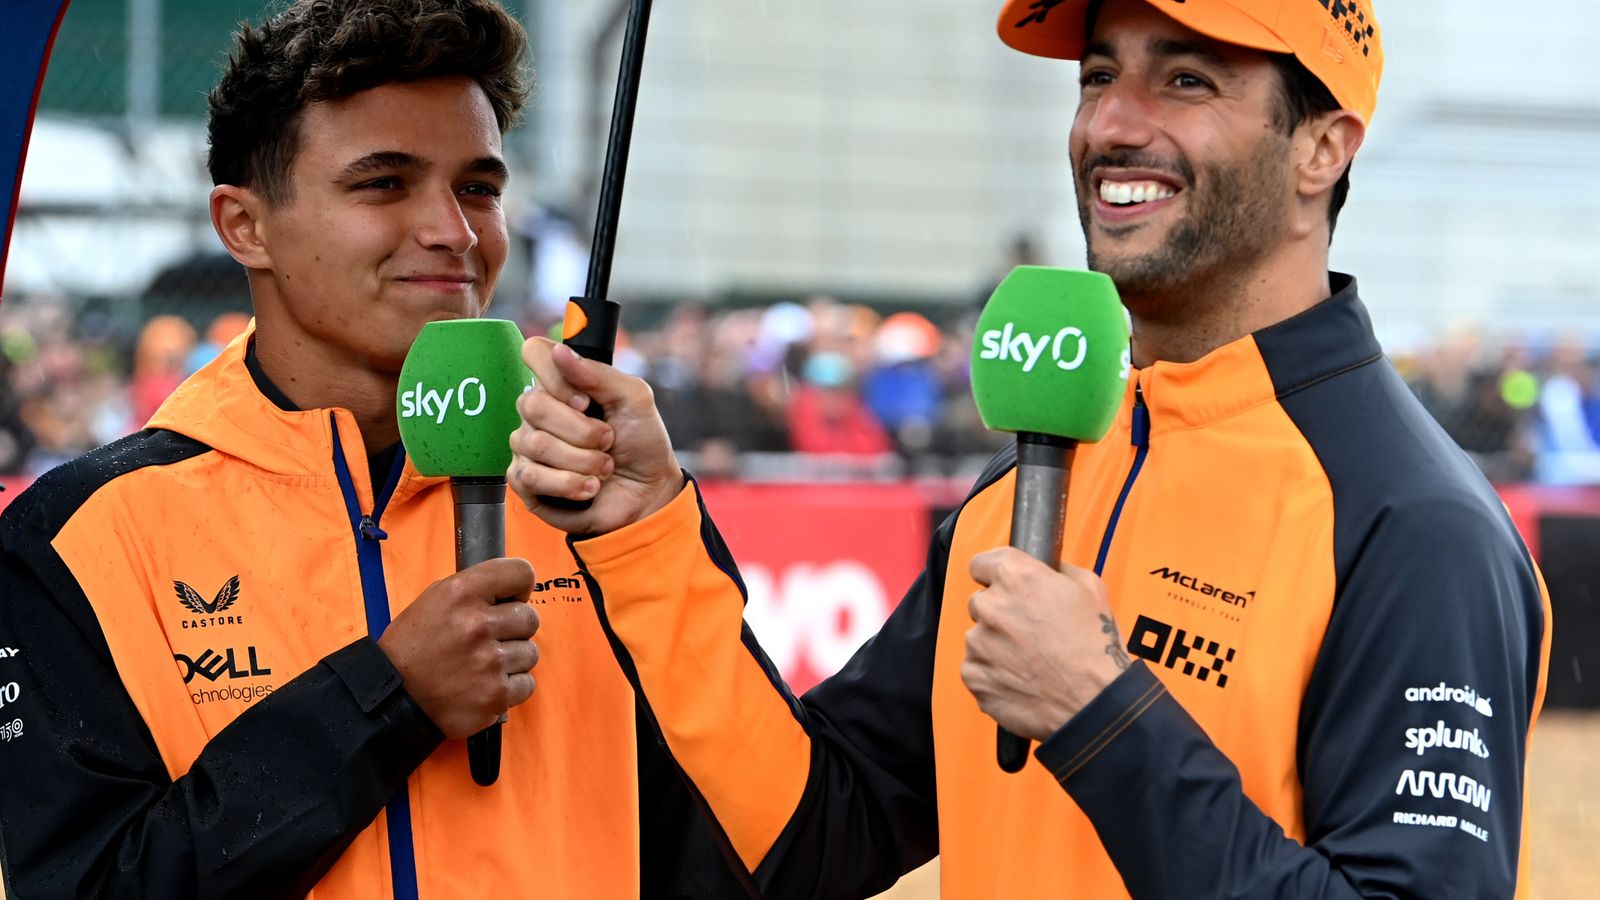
1413,738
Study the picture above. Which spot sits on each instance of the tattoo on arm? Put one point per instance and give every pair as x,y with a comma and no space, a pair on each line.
1114,649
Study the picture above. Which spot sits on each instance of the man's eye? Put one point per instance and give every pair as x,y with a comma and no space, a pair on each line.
388,182
1186,80
480,189
1094,78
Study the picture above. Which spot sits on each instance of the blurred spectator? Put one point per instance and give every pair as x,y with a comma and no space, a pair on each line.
712,410
223,329
818,377
159,361
903,390
827,415
1570,453
558,261
16,440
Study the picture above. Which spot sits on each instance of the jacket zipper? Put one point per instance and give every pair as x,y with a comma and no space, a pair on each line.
1141,440
375,596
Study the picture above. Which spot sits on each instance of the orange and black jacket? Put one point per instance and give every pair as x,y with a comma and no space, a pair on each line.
1340,647
195,704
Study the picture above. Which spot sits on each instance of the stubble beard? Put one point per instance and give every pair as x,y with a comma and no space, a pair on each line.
1235,214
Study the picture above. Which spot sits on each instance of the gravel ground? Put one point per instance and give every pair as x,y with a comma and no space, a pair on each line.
1565,815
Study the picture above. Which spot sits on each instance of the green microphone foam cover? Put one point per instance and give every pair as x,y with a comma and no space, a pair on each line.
457,401
1051,354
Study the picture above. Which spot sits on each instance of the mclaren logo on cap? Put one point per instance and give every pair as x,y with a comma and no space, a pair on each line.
1354,21
1039,11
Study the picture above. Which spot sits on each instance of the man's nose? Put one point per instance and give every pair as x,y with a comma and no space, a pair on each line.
442,224
1122,117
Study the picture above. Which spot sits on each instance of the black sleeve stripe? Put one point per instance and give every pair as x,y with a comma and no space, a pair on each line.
40,512
654,754
30,524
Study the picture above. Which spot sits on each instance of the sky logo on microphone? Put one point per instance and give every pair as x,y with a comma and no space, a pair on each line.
1068,347
470,397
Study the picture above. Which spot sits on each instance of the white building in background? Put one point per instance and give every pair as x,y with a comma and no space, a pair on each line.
896,147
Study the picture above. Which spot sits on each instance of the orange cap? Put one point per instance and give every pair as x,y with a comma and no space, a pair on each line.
1336,40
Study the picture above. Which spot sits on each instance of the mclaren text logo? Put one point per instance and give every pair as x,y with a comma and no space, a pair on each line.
1424,739
1425,783
1445,693
1067,347
471,396
568,589
1164,645
1204,588
210,613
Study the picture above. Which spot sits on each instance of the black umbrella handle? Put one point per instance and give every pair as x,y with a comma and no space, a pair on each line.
616,168
592,320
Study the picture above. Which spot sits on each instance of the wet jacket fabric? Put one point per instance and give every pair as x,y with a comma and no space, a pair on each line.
195,704
1339,647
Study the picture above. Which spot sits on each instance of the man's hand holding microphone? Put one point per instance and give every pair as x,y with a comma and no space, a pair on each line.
1044,641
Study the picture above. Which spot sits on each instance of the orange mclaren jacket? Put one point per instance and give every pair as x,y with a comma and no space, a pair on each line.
194,704
1341,647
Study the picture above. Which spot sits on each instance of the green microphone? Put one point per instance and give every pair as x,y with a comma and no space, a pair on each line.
457,407
1050,363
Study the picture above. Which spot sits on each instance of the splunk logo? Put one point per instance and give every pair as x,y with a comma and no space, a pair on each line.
470,397
1068,347
1424,739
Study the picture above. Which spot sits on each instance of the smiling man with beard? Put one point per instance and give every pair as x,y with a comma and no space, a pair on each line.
1248,740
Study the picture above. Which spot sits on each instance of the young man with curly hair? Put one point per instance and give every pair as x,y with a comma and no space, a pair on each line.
236,662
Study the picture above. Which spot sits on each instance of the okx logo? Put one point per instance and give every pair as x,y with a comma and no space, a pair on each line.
469,397
1068,347
1162,644
209,612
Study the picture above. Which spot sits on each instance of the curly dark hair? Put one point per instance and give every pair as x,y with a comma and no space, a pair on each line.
317,50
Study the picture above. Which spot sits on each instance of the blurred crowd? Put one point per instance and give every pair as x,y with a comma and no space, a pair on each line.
793,389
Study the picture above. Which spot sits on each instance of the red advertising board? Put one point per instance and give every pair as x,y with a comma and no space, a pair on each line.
9,489
824,565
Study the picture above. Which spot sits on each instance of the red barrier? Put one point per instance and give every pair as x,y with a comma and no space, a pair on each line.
824,565
1528,502
11,488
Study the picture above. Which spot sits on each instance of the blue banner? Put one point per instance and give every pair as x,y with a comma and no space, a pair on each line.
27,29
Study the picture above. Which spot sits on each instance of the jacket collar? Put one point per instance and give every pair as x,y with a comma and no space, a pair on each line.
222,406
1329,338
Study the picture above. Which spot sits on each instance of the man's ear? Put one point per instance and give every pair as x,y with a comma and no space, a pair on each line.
238,215
1328,143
